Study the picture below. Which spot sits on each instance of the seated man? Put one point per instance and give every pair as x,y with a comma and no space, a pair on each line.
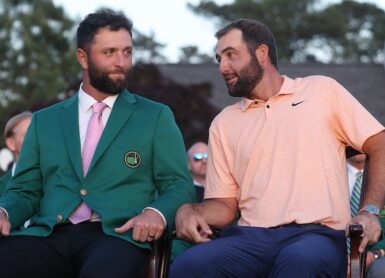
14,133
91,171
279,157
197,163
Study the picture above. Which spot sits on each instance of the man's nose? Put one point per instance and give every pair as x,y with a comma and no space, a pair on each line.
223,67
121,60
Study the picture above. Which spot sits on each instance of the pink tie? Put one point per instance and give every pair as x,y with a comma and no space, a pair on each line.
94,131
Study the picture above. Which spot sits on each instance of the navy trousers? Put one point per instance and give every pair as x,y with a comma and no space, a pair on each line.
81,250
261,252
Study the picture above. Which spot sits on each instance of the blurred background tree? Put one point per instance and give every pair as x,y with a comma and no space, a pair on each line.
311,30
36,54
192,55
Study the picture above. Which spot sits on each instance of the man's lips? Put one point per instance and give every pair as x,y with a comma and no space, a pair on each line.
118,74
231,79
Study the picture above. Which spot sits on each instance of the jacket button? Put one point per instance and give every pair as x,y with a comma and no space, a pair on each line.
59,218
83,192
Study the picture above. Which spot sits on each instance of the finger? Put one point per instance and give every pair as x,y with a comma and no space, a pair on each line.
363,244
205,228
375,237
201,233
5,228
151,237
127,226
142,232
154,235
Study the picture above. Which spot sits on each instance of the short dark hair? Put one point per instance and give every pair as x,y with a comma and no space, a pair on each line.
254,33
93,22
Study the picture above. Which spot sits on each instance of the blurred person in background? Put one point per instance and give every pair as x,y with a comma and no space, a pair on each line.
14,133
197,162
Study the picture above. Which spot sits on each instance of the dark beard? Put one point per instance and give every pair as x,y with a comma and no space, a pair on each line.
100,80
248,77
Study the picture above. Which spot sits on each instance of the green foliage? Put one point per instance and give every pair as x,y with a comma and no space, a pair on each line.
362,26
36,54
147,49
348,31
191,54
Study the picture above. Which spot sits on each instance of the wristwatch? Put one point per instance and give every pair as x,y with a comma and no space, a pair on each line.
371,209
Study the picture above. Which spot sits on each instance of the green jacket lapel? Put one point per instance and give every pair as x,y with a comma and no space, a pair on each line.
69,119
123,108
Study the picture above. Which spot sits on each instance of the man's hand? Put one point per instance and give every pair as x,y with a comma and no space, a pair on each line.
371,226
191,226
5,226
147,226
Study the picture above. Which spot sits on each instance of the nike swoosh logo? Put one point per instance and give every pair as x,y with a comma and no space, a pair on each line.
295,104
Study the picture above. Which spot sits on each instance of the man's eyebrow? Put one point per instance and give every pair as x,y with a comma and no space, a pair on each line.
217,55
227,49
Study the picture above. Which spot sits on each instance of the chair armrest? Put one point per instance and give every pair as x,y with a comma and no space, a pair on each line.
160,257
357,260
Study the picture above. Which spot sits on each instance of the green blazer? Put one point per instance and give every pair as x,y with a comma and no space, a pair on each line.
4,179
141,152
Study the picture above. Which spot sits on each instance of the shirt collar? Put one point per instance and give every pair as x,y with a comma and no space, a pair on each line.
287,88
86,101
353,170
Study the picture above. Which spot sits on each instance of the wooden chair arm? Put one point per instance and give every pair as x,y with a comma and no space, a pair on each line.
357,260
159,259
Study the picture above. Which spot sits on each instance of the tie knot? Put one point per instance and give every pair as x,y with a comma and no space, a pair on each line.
98,107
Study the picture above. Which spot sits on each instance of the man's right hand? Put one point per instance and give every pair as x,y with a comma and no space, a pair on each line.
191,226
5,226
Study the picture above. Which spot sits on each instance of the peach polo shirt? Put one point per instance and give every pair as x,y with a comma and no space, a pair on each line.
284,159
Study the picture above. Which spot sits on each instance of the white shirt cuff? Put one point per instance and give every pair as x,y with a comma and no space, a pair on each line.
161,215
5,212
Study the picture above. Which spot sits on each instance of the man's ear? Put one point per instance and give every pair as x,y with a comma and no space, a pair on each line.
262,54
10,143
81,55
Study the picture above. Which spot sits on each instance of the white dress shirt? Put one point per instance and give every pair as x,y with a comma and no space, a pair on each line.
352,173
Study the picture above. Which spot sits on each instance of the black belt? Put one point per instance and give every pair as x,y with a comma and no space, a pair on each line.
296,225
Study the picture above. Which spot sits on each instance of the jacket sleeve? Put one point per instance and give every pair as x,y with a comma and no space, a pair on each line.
23,192
171,175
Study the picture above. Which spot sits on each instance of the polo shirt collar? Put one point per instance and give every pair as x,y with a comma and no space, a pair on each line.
287,88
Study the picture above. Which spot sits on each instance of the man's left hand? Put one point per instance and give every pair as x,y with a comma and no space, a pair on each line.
147,226
371,226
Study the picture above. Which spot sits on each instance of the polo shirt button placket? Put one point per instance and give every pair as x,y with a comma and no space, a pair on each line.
267,110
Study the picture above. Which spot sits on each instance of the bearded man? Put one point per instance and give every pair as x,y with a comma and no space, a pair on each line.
103,172
278,157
